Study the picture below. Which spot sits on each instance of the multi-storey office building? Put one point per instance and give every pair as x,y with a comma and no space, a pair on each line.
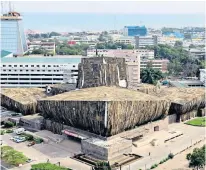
156,64
38,71
145,41
49,47
12,34
135,30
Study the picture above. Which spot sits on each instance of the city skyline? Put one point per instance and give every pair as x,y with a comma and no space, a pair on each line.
98,16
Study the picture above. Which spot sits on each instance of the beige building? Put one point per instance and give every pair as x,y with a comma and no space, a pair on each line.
133,73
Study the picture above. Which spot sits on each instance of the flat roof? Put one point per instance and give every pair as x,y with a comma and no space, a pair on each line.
24,95
174,94
42,59
103,93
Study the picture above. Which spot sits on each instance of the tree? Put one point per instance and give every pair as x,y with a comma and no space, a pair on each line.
54,34
8,124
197,158
150,75
178,44
192,46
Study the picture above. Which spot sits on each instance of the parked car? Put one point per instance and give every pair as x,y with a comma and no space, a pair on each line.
19,131
31,143
20,139
29,160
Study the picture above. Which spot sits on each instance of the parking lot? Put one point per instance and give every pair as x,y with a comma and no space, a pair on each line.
52,151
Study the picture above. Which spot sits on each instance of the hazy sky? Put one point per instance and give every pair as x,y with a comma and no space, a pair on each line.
91,15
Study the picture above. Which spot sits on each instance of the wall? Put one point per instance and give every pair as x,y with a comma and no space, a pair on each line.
85,115
126,115
105,152
145,129
102,71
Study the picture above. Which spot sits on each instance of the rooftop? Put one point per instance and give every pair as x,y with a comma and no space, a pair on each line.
4,53
117,142
42,59
24,95
103,93
174,94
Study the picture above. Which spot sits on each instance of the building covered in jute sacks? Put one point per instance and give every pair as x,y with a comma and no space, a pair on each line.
102,71
22,100
186,103
105,111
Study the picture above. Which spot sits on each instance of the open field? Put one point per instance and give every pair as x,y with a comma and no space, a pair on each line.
200,121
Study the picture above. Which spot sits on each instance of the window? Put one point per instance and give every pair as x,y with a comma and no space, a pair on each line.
38,70
49,65
21,65
27,70
32,65
9,70
4,65
21,70
9,65
37,65
32,70
73,65
4,70
26,65
49,70
43,65
15,65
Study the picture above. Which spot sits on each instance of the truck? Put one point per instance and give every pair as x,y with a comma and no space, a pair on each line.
19,131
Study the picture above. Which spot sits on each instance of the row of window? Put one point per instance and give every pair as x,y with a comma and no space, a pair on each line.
31,79
34,66
33,70
32,75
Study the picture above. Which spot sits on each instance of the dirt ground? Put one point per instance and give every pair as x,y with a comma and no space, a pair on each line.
179,162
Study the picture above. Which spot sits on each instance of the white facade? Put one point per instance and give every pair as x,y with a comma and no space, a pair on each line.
203,76
37,74
126,40
143,41
143,53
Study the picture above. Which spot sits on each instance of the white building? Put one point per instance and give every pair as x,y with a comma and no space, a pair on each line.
143,41
143,53
126,40
48,46
203,76
38,71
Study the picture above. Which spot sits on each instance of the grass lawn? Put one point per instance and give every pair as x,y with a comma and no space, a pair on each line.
47,166
200,121
11,156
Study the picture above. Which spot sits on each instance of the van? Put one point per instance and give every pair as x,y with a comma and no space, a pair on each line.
19,131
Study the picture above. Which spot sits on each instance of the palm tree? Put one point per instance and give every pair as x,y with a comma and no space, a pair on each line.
150,75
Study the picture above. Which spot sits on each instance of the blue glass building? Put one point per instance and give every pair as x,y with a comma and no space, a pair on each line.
135,31
12,34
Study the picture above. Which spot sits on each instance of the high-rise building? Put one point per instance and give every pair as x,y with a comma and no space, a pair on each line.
12,33
135,31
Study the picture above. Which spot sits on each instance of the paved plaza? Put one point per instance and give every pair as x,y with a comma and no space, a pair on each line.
191,134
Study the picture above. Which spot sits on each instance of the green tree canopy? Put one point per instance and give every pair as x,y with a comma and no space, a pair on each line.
150,75
197,158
